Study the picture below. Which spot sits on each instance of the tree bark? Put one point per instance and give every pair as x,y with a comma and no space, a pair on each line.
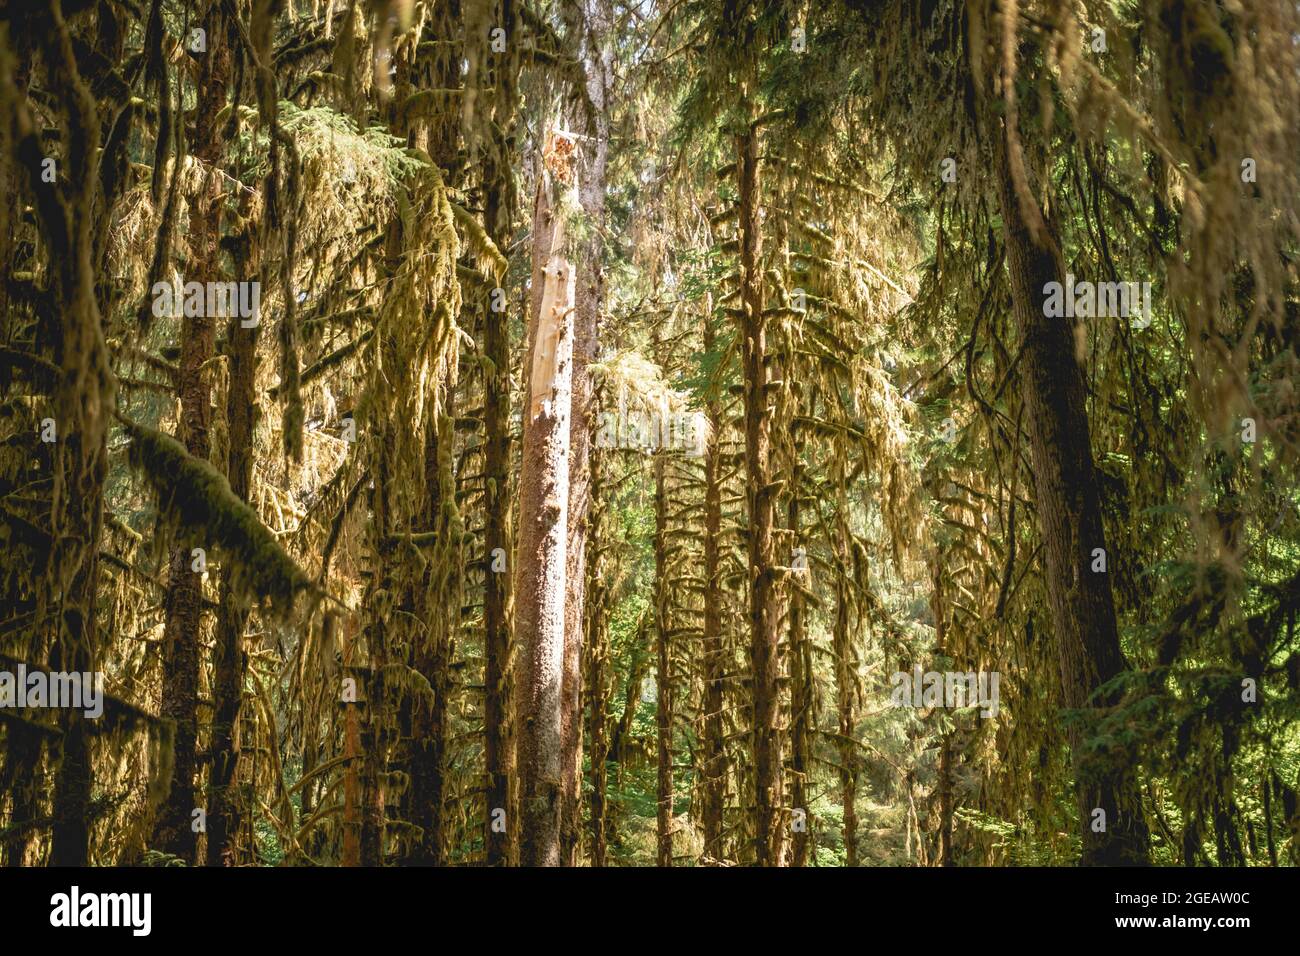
596,57
351,745
764,611
801,693
438,609
1069,515
845,689
663,676
497,754
540,565
596,652
714,763
224,810
181,641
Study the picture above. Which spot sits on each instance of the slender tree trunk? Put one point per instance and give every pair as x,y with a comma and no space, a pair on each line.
663,676
595,17
497,754
184,600
846,695
714,765
764,611
351,748
375,732
540,565
224,810
596,651
83,395
499,202
438,608
943,786
437,598
801,693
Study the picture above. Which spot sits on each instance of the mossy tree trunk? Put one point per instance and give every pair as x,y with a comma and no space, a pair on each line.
592,21
764,609
1069,516
182,642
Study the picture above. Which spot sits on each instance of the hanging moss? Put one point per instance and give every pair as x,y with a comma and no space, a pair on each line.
198,498
477,238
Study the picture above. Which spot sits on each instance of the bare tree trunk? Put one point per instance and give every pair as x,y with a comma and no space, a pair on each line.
540,565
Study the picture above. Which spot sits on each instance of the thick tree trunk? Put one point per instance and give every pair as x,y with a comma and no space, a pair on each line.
764,611
1069,514
21,764
540,565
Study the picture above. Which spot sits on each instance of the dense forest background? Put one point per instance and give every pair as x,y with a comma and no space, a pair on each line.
494,432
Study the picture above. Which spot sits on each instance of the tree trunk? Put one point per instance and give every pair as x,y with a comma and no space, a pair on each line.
351,745
184,600
764,611
372,691
801,694
540,566
714,764
593,117
438,593
596,651
497,755
438,609
663,676
943,786
1069,515
224,811
846,694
